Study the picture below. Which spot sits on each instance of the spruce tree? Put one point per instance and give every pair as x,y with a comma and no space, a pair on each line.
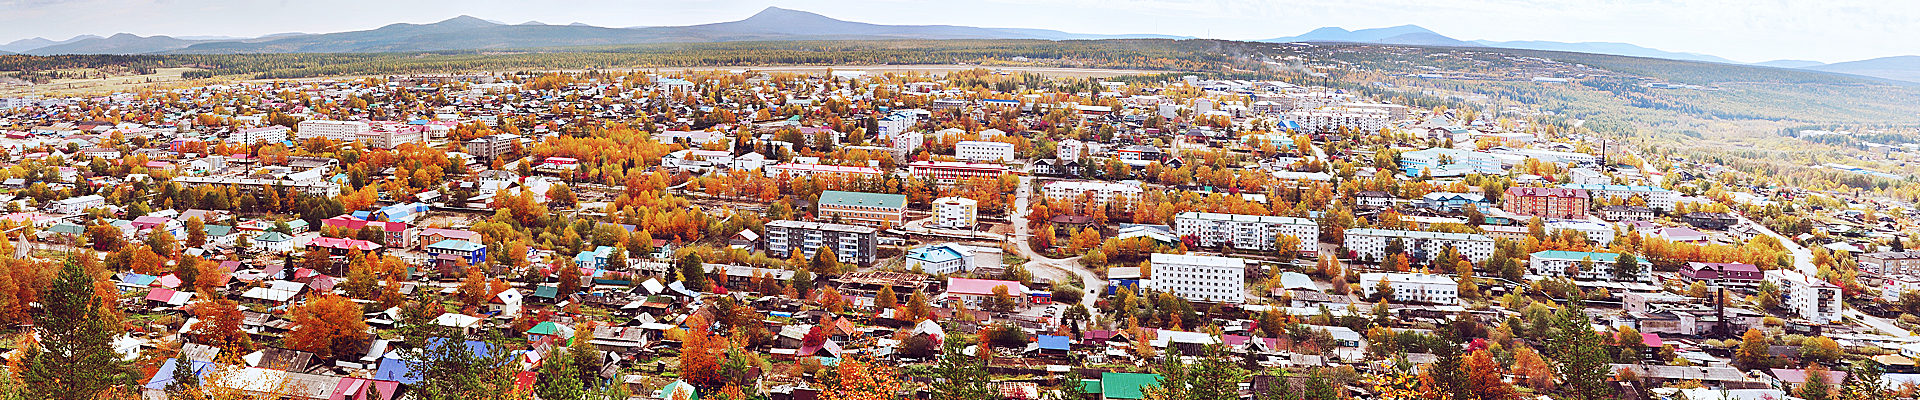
1580,358
74,359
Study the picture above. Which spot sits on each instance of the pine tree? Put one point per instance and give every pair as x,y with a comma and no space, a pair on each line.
74,358
1580,358
961,377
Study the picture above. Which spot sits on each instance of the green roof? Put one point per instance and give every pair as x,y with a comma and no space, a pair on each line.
861,199
545,328
546,291
1090,386
216,230
1576,255
1126,386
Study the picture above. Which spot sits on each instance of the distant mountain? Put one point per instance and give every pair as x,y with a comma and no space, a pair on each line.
465,32
1337,34
123,43
1789,63
1426,39
1901,68
22,45
1618,49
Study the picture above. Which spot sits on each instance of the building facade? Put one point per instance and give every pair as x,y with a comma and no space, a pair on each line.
491,146
955,213
1546,202
1099,193
1811,298
1372,244
849,243
878,210
948,172
974,150
1656,198
1888,263
1568,264
345,131
1199,278
1249,232
1416,288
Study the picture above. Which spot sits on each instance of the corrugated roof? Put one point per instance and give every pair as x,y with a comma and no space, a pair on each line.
862,199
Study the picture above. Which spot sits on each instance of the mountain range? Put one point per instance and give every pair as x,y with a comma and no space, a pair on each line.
779,24
466,32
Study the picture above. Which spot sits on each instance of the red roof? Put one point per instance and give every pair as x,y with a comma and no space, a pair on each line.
349,222
344,244
982,286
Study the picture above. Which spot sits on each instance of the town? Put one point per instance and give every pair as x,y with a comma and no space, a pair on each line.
979,234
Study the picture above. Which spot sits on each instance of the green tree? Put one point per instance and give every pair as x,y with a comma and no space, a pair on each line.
962,377
694,271
451,367
74,358
1211,377
1626,267
1580,358
559,380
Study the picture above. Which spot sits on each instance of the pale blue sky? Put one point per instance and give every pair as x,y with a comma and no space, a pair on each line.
1742,30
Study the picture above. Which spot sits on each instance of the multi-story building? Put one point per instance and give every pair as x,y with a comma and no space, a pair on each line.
274,133
1722,273
1372,244
1442,161
76,205
1546,202
1625,213
1069,150
883,211
1416,288
849,243
955,212
1889,263
974,150
1249,232
1363,120
387,136
492,145
1199,278
1568,264
948,172
896,123
797,171
1816,300
392,234
1100,193
1600,234
1656,198
345,131
453,249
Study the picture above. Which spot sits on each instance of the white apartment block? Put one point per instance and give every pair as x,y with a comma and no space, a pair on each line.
1372,244
274,133
1199,278
974,150
1816,300
1598,233
1657,198
345,131
1364,120
1414,288
1101,192
955,213
1567,264
1251,232
393,136
1069,150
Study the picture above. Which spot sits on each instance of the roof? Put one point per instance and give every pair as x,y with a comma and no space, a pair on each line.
1115,385
456,245
1051,342
1799,376
1231,262
934,254
982,286
862,199
1576,255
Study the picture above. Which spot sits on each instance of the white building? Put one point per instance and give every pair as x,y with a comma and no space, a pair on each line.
1419,288
1364,120
1069,150
1816,300
1656,198
952,258
1598,233
274,133
955,212
76,205
896,123
1372,244
1250,232
345,131
1560,262
1100,192
1199,278
974,150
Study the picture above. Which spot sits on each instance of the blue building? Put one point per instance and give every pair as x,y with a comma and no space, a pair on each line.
596,259
456,249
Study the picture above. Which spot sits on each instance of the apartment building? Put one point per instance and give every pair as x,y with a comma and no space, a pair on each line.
1568,264
1414,288
491,146
274,133
1441,161
1657,198
1070,192
345,131
1546,202
955,213
878,210
1199,278
1372,244
974,150
797,171
948,172
1363,120
849,243
1816,300
1889,263
1247,232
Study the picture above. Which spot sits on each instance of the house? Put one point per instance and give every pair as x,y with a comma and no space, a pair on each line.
1373,198
429,236
1709,220
1452,202
273,242
454,249
976,292
1722,273
1581,265
76,205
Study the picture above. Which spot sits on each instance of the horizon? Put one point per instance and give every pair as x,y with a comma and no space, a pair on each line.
1760,36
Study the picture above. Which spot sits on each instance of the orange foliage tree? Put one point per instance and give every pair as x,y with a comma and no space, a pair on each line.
327,326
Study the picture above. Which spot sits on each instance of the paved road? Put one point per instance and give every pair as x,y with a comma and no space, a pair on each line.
1803,262
1056,269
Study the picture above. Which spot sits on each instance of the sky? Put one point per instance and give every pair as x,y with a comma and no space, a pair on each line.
1741,30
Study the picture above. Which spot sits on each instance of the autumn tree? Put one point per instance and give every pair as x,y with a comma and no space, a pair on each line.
1532,370
219,325
699,355
856,379
73,358
1753,349
196,232
473,288
1485,378
327,326
917,307
885,299
1002,301
825,262
569,276
1820,349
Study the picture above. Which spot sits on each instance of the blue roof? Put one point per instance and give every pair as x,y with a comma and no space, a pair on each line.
1051,342
456,245
164,376
394,369
933,254
1576,255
